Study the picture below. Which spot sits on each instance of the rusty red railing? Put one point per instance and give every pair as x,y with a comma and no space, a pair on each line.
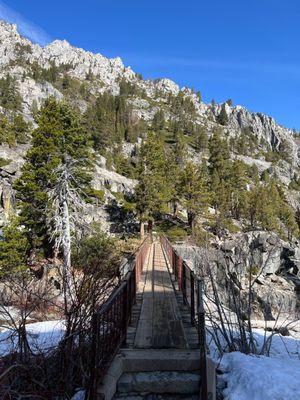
191,287
110,322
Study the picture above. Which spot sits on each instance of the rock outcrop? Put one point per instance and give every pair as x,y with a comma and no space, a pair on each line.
273,263
18,54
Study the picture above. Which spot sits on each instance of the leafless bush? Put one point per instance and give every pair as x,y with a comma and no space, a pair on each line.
232,301
56,372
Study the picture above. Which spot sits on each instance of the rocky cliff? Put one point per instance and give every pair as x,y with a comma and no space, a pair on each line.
28,63
274,265
18,56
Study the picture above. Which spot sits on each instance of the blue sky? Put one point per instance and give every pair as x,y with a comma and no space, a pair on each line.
244,50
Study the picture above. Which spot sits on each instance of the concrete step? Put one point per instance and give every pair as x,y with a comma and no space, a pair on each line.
153,396
159,382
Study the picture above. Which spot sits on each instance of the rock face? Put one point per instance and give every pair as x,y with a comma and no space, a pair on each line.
18,54
20,58
274,265
109,182
262,126
115,182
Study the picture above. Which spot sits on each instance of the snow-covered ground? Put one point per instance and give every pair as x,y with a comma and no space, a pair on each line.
42,336
260,378
250,377
247,377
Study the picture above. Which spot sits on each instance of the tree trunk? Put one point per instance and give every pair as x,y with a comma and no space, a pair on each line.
66,237
150,227
66,248
191,220
175,209
142,229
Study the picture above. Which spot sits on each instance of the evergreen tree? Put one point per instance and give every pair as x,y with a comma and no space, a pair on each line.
238,187
194,192
173,176
158,123
100,121
20,129
6,133
9,95
219,155
219,169
222,118
59,136
14,248
154,189
179,148
200,138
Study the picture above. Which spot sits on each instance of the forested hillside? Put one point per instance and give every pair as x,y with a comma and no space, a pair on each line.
92,155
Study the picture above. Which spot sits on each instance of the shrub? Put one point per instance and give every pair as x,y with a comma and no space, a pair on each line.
97,254
172,231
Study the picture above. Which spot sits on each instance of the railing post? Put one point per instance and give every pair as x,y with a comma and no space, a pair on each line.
179,271
125,310
192,297
183,268
202,340
94,353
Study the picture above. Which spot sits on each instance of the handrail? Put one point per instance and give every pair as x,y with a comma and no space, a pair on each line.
191,287
110,322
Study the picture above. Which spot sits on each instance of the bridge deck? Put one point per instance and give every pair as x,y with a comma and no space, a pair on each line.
159,325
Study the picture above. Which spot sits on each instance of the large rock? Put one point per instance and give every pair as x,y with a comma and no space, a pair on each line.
274,262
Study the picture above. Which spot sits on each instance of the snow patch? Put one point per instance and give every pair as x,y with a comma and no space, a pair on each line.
42,337
260,378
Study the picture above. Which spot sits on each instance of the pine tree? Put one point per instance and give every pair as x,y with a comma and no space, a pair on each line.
200,138
158,122
14,248
59,135
179,148
219,169
222,118
9,95
6,133
219,155
194,192
154,189
173,176
21,129
238,187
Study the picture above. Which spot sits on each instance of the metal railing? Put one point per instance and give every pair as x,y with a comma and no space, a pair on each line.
109,323
192,288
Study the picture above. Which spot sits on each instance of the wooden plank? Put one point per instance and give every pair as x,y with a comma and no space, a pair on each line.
160,324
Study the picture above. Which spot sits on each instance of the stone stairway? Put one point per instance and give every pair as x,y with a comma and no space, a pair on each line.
158,385
154,374
158,397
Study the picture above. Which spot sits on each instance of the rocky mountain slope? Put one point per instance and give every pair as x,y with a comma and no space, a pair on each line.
79,77
32,67
18,55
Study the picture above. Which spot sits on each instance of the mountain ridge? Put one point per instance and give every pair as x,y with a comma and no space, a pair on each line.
61,52
30,64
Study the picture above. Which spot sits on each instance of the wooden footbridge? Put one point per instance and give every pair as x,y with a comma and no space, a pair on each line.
148,339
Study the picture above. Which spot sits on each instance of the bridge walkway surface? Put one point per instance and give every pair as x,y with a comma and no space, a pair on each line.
160,359
159,325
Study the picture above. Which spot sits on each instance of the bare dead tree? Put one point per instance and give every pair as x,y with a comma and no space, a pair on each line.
64,217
